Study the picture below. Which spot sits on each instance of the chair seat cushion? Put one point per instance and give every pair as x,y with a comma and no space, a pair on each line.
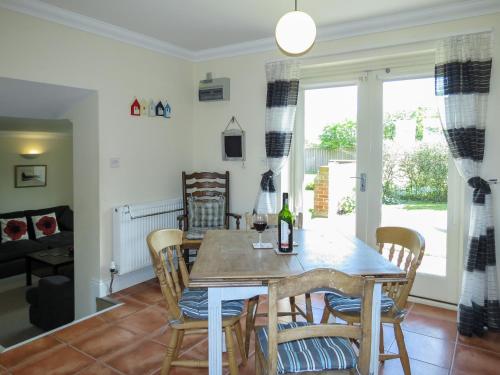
199,233
311,354
194,304
345,304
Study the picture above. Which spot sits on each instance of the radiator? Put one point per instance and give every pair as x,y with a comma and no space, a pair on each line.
131,225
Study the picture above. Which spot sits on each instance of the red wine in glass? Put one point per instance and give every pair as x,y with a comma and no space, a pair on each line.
260,225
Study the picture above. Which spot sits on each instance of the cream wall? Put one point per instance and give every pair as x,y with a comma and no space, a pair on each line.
152,151
57,155
248,97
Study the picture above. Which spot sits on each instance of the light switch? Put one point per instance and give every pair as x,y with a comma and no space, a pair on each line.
114,162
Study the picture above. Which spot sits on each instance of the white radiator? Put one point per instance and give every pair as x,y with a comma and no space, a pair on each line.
131,225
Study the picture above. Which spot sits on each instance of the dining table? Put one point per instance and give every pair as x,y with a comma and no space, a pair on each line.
229,266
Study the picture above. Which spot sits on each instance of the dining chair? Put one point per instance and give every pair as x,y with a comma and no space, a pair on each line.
301,347
404,247
295,309
187,309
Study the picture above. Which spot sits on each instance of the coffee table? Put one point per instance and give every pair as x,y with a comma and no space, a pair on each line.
54,258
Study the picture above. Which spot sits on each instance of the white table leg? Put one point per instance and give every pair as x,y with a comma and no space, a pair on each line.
377,297
214,331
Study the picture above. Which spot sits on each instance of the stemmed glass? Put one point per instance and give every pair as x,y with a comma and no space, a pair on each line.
260,225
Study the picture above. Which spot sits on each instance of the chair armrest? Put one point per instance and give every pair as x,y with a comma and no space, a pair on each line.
237,217
180,219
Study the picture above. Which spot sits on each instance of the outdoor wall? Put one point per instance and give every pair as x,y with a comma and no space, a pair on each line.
57,155
248,98
152,151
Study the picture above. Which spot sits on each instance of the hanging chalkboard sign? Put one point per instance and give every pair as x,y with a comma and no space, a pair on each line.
233,142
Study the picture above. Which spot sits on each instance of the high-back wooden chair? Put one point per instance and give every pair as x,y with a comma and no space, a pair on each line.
299,347
405,248
187,310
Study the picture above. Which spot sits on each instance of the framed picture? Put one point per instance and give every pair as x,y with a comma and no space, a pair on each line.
30,176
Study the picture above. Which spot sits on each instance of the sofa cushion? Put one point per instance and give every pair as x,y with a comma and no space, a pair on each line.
58,210
45,225
14,229
18,249
66,219
61,239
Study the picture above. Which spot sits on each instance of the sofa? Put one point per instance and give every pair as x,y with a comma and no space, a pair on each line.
12,253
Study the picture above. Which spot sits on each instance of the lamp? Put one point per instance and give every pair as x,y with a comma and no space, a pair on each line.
295,32
32,154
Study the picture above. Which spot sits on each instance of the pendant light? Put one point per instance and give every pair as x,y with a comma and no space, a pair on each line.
295,32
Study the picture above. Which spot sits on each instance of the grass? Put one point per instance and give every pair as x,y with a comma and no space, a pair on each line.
440,206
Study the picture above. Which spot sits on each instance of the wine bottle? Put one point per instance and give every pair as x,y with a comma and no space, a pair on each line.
285,227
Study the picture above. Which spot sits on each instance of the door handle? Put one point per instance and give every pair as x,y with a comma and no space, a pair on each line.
362,181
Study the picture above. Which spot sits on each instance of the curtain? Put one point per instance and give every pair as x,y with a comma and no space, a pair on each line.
281,103
462,83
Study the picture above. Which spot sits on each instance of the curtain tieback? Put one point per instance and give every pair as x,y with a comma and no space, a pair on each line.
481,188
267,183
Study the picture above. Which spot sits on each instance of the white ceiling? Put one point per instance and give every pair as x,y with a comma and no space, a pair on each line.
35,100
204,24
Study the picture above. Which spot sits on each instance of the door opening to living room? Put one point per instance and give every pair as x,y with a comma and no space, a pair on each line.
37,252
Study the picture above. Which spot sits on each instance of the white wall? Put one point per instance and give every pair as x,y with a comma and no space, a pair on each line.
248,97
57,154
152,151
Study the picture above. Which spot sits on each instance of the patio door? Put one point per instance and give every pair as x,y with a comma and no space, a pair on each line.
399,173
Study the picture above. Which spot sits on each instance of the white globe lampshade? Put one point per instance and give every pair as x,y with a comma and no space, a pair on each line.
295,32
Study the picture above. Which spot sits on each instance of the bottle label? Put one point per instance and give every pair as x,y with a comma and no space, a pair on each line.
284,234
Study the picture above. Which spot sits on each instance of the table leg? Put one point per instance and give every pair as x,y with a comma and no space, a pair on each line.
376,305
28,271
214,331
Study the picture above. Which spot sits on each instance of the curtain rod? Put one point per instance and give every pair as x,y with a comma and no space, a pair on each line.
313,59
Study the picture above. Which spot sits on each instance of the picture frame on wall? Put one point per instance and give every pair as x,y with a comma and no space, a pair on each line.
30,176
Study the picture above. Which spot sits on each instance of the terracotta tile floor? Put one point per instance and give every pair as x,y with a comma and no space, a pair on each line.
131,339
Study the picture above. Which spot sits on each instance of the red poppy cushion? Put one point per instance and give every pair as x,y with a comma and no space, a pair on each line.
45,225
14,229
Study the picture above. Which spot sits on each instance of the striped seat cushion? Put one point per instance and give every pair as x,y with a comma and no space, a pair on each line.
312,354
194,304
345,304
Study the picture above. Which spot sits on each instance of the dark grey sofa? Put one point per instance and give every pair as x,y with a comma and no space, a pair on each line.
12,253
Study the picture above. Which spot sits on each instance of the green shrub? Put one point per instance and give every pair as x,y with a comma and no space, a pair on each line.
310,186
346,205
339,135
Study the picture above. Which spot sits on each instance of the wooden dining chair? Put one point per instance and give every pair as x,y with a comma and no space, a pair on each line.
187,309
295,309
404,247
300,347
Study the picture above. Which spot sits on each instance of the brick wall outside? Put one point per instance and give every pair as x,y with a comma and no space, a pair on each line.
321,193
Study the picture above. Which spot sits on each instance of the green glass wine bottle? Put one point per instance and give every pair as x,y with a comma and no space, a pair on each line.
285,227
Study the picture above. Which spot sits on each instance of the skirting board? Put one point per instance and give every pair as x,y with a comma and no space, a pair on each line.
124,281
434,303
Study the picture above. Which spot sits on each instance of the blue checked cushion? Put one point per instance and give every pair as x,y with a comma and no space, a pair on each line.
346,304
199,233
311,354
194,304
206,212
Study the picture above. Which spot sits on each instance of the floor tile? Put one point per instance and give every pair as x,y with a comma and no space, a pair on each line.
490,341
62,361
150,295
105,341
430,326
16,356
388,337
98,369
144,321
139,360
83,327
427,349
393,367
434,312
472,361
187,343
130,306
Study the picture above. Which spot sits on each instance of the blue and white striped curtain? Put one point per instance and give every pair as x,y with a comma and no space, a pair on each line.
462,78
281,104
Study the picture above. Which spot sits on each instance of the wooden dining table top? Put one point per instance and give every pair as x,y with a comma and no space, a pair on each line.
227,258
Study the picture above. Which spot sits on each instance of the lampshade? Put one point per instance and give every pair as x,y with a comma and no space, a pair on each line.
295,32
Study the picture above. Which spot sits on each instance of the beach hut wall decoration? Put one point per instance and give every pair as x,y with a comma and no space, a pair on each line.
135,108
167,110
152,108
144,107
159,109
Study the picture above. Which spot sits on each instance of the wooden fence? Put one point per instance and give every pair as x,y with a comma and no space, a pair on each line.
316,157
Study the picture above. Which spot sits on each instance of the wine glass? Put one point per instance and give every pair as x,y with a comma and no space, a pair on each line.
260,225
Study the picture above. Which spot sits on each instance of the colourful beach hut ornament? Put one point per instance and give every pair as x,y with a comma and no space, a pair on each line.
167,110
152,108
144,107
159,109
135,108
